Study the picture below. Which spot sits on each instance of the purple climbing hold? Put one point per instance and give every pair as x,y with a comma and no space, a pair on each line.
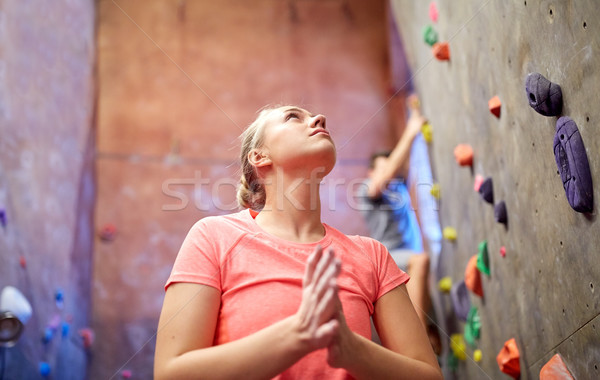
500,213
3,217
573,166
544,96
487,190
460,300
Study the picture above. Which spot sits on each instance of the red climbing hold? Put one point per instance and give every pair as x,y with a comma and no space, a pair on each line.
555,369
473,277
463,153
22,262
87,335
441,51
503,251
478,181
508,359
108,232
495,104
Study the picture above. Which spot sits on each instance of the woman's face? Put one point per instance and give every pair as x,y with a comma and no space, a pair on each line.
294,138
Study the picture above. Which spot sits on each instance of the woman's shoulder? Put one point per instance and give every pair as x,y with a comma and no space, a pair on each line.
364,242
234,221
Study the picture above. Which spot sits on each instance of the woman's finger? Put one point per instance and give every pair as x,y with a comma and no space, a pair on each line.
322,266
311,264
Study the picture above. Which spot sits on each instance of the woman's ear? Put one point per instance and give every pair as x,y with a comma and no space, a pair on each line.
258,158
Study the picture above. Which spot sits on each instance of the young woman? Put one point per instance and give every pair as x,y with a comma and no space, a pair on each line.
272,292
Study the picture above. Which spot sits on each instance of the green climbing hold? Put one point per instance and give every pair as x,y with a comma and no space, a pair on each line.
483,260
452,361
430,35
472,327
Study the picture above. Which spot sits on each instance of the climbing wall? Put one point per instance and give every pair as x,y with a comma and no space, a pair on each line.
543,292
47,58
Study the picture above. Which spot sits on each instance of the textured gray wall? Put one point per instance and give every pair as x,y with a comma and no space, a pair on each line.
47,55
543,291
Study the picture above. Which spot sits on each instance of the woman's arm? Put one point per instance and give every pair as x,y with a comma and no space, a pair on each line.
406,352
187,325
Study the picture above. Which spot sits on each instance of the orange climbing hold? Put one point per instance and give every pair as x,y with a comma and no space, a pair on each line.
463,153
508,359
495,105
473,277
555,369
441,51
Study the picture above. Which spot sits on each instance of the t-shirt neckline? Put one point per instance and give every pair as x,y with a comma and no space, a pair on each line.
323,242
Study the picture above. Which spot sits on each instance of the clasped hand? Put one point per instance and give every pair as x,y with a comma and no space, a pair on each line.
321,319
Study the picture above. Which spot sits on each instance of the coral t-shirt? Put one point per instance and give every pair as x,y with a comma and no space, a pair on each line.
260,279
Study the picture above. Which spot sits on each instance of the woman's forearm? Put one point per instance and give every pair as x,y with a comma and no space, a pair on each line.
261,355
368,360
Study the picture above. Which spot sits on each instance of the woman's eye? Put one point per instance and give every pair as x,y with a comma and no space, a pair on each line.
291,115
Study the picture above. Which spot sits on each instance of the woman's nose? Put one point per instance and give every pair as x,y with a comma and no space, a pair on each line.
318,121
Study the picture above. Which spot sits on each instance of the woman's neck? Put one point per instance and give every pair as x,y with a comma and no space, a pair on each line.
292,210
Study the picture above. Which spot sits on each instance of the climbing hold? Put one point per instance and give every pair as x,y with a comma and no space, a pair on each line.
3,217
445,284
508,358
47,335
108,232
477,355
452,361
65,327
60,298
500,213
460,300
22,262
441,51
572,162
477,183
473,277
449,233
487,190
472,327
126,373
463,153
495,105
427,132
458,346
503,251
433,11
544,96
555,369
54,322
430,36
483,260
435,190
44,369
87,336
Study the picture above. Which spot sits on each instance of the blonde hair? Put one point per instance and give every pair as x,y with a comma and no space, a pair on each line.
251,190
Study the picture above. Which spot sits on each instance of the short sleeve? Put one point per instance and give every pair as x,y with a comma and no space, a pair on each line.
389,276
197,260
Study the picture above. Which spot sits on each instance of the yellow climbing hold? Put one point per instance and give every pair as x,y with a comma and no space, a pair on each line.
427,132
477,355
445,284
435,190
458,346
449,233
